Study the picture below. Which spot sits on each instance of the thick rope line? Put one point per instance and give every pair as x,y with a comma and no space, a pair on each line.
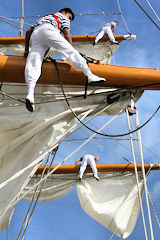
10,23
147,14
136,175
39,191
153,10
22,20
144,176
32,199
155,214
76,14
103,134
118,3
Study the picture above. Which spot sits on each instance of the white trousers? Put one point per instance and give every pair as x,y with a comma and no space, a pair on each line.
106,30
42,38
88,160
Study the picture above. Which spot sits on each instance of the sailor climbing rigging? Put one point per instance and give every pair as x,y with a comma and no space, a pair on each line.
107,29
45,34
88,160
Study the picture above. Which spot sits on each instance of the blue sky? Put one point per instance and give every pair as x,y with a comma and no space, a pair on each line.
64,219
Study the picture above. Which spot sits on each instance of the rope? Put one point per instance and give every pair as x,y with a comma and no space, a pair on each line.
9,96
136,174
32,201
144,176
147,14
53,170
153,10
22,20
11,24
39,189
118,2
76,14
155,214
102,134
102,13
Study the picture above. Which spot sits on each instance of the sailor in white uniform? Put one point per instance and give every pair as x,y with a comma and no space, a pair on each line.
107,29
43,35
88,160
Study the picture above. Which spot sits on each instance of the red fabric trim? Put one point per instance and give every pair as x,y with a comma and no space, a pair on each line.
57,20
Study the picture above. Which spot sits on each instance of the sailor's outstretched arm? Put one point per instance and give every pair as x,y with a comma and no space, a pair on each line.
77,161
67,35
113,28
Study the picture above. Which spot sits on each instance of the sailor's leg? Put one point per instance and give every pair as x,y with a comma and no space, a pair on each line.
99,36
109,32
63,46
94,168
82,169
34,64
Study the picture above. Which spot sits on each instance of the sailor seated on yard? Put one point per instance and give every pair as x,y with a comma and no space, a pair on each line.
88,160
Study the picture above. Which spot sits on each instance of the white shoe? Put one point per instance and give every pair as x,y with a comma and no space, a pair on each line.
30,104
115,42
95,79
96,177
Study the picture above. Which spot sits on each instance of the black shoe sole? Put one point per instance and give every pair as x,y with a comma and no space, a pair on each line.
97,83
29,105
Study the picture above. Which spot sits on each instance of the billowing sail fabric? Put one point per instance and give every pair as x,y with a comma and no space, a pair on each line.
26,138
113,201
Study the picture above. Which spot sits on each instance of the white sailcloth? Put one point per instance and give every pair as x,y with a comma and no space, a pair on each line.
26,138
113,201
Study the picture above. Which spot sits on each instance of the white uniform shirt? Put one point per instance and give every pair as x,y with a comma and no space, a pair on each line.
111,24
63,21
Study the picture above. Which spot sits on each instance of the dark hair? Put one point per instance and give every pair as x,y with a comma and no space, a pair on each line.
67,10
116,22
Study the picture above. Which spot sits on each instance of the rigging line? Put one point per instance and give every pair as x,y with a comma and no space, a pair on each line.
22,20
10,23
10,19
136,174
137,141
144,176
103,134
76,14
9,96
97,138
119,142
39,190
25,219
112,236
53,170
155,214
98,6
118,3
102,13
150,151
147,14
153,10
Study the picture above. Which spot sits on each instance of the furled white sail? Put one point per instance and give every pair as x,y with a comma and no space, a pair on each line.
102,51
